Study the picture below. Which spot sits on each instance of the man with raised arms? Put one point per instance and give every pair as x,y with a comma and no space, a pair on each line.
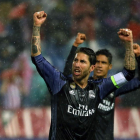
74,100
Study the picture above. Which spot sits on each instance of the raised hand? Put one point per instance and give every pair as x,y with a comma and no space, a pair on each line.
39,18
79,39
125,35
136,49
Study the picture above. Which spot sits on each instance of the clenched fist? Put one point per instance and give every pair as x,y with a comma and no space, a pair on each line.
39,18
125,35
79,39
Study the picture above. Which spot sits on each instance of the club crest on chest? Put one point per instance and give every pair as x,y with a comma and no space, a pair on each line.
91,94
72,85
71,92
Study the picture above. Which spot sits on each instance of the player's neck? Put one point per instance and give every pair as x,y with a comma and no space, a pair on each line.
81,83
95,77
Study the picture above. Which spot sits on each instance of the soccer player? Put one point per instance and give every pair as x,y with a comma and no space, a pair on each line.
105,113
74,100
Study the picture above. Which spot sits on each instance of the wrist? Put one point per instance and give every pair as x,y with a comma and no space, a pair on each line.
128,44
36,25
75,44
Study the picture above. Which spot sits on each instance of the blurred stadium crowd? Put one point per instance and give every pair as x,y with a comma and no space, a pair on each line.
20,84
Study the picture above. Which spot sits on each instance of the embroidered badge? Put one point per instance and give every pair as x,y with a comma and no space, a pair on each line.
71,92
72,85
91,94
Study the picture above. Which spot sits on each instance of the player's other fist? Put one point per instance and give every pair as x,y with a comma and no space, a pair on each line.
79,39
39,18
125,35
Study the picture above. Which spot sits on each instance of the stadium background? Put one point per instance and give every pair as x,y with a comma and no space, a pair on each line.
24,98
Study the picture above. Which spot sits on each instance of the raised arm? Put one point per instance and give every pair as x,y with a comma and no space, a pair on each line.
38,19
119,79
53,78
134,84
68,65
126,36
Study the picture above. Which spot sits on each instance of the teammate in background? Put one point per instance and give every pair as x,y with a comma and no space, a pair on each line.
74,100
105,113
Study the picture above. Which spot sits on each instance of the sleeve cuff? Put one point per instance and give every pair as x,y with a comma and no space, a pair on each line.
37,59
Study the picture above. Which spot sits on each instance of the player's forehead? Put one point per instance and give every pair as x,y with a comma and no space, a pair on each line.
102,58
82,56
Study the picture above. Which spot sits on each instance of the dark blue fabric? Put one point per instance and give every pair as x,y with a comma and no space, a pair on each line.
56,80
53,78
130,86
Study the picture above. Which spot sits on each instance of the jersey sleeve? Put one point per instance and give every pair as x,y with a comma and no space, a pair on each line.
68,64
114,82
54,79
132,85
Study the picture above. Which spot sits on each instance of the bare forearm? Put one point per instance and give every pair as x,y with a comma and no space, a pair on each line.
129,56
36,46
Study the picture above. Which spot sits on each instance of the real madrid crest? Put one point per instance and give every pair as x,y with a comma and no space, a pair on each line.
73,85
71,92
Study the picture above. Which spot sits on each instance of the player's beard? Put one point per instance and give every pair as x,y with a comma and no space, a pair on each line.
81,77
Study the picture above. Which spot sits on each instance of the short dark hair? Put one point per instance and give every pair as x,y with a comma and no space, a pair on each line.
106,53
89,52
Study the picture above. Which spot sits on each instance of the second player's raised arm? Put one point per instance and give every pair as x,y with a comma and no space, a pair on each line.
68,65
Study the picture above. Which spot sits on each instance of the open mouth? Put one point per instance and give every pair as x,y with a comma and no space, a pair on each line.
77,72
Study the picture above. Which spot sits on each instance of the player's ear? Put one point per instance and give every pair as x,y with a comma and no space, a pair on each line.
92,68
110,66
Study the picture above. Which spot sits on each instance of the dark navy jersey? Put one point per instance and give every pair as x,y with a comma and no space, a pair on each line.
73,109
104,119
